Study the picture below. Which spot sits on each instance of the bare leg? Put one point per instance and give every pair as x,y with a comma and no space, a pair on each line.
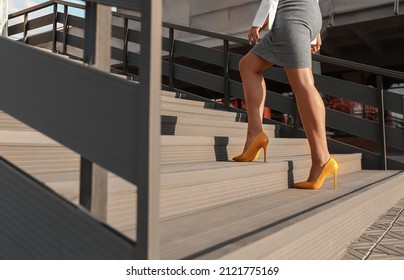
312,114
251,67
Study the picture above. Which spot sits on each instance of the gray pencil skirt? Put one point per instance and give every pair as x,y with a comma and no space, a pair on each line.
297,24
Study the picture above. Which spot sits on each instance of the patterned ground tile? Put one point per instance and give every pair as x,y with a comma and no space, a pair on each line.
381,241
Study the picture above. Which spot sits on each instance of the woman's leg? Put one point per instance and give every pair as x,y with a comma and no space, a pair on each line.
312,114
251,67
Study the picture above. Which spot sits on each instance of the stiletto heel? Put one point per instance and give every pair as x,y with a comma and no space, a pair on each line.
330,167
253,151
335,180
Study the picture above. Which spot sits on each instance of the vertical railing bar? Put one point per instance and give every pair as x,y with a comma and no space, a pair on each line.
171,61
86,171
148,148
66,18
25,38
382,124
90,33
125,45
402,125
55,21
86,166
93,178
226,55
397,7
296,120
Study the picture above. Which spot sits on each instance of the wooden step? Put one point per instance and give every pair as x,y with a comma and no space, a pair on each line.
291,224
177,149
35,153
172,109
181,126
215,183
189,188
170,106
212,183
18,138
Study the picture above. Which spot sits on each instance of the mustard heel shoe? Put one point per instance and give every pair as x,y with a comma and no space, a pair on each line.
331,167
253,151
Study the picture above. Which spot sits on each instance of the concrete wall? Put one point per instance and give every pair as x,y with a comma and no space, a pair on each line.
231,17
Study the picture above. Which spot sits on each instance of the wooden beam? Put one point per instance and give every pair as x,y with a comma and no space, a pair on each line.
148,219
94,178
103,38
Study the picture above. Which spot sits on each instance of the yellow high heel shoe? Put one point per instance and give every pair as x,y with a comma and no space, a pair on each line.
253,151
330,167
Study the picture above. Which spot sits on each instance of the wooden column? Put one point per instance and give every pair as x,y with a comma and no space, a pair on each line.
93,178
148,219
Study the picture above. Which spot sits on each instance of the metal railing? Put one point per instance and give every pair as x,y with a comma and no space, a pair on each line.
231,88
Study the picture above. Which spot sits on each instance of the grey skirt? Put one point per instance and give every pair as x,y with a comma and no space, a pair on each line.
297,24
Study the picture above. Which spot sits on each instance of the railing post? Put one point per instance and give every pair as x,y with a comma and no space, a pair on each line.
90,33
93,188
125,45
382,124
396,7
25,38
97,51
226,74
171,61
296,120
403,116
55,22
65,30
148,149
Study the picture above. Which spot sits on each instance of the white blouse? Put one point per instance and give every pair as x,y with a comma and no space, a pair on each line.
267,7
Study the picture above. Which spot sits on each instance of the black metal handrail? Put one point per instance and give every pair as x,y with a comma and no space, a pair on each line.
32,9
316,57
393,101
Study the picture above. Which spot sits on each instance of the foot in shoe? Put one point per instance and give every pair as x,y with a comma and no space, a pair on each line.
331,167
253,151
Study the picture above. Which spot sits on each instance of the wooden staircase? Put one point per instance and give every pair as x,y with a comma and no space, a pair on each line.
212,207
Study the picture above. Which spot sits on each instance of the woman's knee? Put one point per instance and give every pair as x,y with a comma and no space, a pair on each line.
251,63
301,80
244,65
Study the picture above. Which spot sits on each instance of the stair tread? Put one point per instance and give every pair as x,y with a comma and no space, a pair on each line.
182,101
196,189
253,218
198,166
202,122
25,137
223,140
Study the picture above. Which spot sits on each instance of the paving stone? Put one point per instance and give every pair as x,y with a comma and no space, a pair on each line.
355,254
385,257
390,247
